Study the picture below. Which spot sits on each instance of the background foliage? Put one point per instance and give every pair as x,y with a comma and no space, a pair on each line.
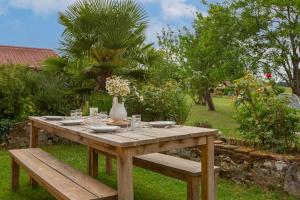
25,92
264,117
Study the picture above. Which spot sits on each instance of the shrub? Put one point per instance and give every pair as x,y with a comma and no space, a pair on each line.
5,126
100,100
24,92
203,124
47,92
265,118
11,92
168,102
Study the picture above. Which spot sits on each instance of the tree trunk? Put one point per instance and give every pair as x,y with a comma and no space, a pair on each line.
296,90
203,100
209,101
296,81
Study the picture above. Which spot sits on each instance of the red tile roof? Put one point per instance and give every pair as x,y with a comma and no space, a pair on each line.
32,57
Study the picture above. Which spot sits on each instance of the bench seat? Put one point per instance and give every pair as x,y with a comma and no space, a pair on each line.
170,165
175,167
59,179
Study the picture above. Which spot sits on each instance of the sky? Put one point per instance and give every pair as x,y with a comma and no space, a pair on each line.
34,23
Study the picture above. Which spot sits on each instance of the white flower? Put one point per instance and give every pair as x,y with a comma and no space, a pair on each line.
116,86
141,98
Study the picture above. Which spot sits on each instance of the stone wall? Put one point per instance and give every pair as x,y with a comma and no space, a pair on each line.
249,166
18,137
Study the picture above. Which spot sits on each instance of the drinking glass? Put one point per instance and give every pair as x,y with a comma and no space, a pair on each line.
78,113
138,120
93,111
103,117
93,120
73,114
128,120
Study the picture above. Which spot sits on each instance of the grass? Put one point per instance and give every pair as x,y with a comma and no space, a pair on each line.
148,185
222,118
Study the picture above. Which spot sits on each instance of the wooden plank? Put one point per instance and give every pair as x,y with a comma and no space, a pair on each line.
167,145
161,133
125,175
207,167
15,174
117,140
192,129
136,136
183,166
55,183
92,185
170,166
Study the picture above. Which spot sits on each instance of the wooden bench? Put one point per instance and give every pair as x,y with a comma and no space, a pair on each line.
175,167
59,179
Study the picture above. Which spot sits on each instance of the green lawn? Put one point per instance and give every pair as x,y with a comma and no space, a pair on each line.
148,185
221,119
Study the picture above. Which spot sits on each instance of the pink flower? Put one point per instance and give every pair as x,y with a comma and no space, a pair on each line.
268,75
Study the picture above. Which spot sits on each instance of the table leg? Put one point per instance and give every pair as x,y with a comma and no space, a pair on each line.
92,162
33,144
125,175
108,165
207,160
193,188
33,136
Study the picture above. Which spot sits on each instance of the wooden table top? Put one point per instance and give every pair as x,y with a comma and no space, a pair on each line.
124,138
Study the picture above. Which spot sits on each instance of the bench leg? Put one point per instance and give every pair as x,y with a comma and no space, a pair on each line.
216,185
15,175
193,188
108,165
33,183
92,162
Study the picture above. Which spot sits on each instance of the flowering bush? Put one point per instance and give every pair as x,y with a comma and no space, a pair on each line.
167,102
117,87
265,118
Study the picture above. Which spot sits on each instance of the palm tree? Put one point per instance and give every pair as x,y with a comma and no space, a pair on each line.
109,33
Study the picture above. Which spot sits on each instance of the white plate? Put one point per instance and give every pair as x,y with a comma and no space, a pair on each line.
162,124
104,129
72,122
53,117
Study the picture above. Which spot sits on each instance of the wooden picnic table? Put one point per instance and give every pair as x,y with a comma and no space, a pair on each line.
127,144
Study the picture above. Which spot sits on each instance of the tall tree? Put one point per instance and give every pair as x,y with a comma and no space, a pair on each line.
108,33
270,33
213,52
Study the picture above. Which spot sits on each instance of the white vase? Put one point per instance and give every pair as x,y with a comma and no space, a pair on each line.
118,111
